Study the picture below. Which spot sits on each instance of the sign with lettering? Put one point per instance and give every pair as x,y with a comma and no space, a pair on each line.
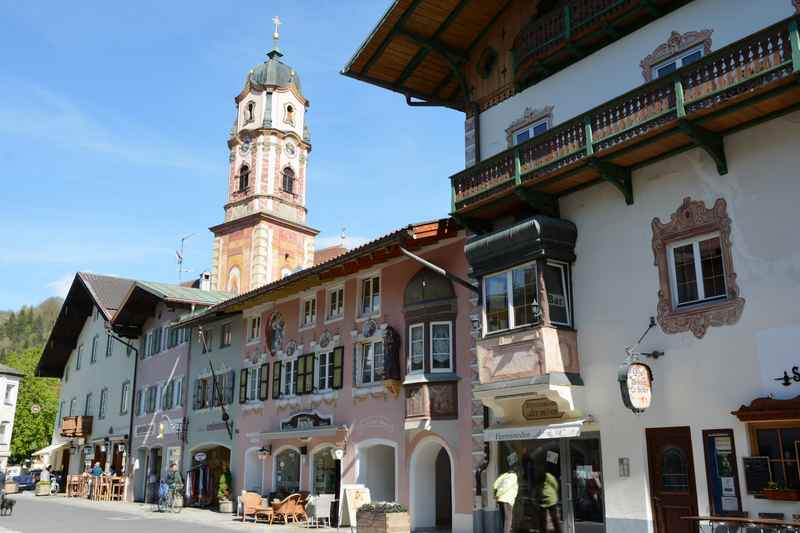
787,380
540,408
635,383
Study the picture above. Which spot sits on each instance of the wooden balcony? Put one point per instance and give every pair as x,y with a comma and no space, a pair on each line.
577,28
76,426
750,81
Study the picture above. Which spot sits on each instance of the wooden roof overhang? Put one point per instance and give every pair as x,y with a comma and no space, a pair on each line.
411,237
77,307
419,48
725,92
138,306
769,409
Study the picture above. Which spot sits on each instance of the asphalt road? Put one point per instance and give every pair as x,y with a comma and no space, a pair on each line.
41,515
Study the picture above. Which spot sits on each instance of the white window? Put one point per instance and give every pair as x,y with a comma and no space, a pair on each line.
697,272
509,297
532,130
416,348
335,303
370,296
441,346
226,338
370,362
255,328
309,316
177,400
556,280
103,404
672,64
253,379
9,394
123,401
325,371
207,340
88,408
4,432
72,403
288,378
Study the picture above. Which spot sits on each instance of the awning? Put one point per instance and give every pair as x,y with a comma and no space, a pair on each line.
546,431
327,431
47,450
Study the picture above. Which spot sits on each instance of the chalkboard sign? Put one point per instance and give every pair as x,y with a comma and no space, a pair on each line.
352,497
757,473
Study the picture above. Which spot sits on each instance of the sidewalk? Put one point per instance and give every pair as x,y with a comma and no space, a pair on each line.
188,514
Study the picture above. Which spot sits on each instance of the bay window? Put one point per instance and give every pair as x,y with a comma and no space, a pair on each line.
441,346
416,348
509,297
556,280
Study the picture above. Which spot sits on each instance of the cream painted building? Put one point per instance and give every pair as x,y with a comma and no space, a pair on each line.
10,381
625,160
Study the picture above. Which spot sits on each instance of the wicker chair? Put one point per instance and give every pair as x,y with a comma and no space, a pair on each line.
288,509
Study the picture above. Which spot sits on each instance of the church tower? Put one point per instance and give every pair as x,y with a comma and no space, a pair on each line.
265,236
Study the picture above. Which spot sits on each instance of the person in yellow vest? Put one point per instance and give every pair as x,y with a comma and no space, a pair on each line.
505,491
547,488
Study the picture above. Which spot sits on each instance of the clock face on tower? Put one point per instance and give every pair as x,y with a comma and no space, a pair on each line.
291,150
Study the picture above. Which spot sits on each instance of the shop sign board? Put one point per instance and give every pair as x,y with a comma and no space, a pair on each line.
552,431
540,408
635,382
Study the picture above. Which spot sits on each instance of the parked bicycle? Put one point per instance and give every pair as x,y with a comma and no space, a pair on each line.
169,499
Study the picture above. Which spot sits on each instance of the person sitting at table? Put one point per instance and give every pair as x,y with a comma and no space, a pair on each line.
97,471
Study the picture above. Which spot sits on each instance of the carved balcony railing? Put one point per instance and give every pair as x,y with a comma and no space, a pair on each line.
748,81
575,28
76,426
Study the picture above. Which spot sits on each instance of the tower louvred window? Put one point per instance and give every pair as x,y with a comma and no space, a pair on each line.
288,180
244,177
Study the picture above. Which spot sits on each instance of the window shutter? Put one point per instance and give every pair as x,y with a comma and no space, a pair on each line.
355,364
309,387
243,385
338,367
263,382
294,375
230,382
299,375
276,380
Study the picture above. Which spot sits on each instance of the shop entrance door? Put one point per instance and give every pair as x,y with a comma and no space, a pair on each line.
576,466
673,491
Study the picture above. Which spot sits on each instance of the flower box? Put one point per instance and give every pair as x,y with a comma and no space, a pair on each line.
42,488
786,495
383,518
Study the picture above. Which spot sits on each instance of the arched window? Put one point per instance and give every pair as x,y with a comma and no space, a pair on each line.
244,177
289,117
250,113
288,180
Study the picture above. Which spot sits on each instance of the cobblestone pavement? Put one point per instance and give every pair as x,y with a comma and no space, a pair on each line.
59,514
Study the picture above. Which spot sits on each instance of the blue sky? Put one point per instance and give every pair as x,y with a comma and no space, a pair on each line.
113,126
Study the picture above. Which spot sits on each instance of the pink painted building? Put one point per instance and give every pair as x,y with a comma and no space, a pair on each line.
146,318
359,370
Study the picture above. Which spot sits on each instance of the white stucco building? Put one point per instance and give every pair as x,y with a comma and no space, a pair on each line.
625,160
10,381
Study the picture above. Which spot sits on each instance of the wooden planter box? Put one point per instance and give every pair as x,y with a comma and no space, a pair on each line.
369,522
42,489
11,487
791,495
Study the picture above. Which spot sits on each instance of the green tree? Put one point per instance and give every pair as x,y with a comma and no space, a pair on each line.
32,431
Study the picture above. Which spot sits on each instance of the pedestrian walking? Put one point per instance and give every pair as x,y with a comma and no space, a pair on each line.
506,488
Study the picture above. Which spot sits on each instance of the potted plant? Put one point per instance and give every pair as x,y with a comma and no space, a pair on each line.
383,517
224,503
780,492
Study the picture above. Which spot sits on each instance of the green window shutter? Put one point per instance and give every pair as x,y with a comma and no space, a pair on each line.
263,382
243,385
338,367
276,380
300,375
309,387
355,364
294,375
230,383
195,395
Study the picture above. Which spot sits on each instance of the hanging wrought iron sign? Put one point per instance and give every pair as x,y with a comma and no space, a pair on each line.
635,383
636,378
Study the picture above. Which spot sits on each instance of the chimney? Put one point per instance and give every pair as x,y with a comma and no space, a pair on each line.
205,281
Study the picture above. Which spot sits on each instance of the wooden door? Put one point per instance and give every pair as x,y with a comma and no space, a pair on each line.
673,492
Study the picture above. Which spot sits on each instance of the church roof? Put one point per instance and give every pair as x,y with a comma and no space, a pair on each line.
275,72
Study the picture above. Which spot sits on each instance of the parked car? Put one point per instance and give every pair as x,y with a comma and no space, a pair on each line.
37,474
25,481
13,471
